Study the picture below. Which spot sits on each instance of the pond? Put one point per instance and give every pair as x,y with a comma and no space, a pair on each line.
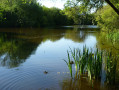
32,58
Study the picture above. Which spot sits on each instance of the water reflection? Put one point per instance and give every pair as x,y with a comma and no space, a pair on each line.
84,83
30,52
81,84
106,43
14,51
16,45
75,35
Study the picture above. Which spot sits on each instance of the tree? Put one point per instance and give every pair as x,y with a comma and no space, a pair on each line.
113,6
17,13
97,4
107,18
79,14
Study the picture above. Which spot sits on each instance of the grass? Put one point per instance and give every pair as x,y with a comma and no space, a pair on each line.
111,68
91,63
69,64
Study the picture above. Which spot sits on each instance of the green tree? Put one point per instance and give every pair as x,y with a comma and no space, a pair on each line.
79,14
91,4
29,13
18,13
107,18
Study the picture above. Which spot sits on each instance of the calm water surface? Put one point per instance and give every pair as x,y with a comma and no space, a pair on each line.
26,53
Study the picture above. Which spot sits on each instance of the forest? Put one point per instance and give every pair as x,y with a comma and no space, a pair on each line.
30,13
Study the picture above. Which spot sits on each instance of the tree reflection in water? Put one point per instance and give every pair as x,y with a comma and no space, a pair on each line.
14,51
16,45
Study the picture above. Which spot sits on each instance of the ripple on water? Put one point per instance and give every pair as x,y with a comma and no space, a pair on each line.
31,77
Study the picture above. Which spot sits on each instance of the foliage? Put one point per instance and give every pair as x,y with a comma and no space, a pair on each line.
69,63
111,68
79,14
91,63
87,62
95,4
107,18
29,13
79,9
53,16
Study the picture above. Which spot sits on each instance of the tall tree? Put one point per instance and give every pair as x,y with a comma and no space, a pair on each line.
113,6
97,4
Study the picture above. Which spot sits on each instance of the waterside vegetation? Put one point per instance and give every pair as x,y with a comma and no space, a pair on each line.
95,64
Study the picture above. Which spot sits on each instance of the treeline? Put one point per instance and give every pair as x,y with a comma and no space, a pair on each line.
107,18
29,13
79,15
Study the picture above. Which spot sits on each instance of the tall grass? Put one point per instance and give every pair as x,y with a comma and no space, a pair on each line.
91,63
111,68
69,63
74,54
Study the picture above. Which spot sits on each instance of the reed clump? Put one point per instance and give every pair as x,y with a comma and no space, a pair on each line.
91,62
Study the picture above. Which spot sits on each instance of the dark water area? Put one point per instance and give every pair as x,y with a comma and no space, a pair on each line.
32,58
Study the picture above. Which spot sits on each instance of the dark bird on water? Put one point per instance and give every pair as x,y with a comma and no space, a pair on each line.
45,72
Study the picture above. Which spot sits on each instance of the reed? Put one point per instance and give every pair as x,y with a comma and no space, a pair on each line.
111,68
69,63
85,62
74,54
91,63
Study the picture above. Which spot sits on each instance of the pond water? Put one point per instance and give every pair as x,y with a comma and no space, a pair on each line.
32,59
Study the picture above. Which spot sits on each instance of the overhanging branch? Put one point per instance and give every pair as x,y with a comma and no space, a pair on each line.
115,9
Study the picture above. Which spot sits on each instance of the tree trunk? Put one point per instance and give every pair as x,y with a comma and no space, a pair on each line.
115,9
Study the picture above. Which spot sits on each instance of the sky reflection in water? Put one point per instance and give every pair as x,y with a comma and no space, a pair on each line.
28,53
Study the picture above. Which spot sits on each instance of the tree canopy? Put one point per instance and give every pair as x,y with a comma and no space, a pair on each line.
95,4
29,13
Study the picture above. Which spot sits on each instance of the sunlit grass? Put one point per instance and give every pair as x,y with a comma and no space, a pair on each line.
69,63
91,62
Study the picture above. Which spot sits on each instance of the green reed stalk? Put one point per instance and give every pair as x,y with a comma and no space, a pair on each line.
75,57
92,63
111,68
69,64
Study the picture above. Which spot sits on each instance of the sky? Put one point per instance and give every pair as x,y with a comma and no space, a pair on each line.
53,3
